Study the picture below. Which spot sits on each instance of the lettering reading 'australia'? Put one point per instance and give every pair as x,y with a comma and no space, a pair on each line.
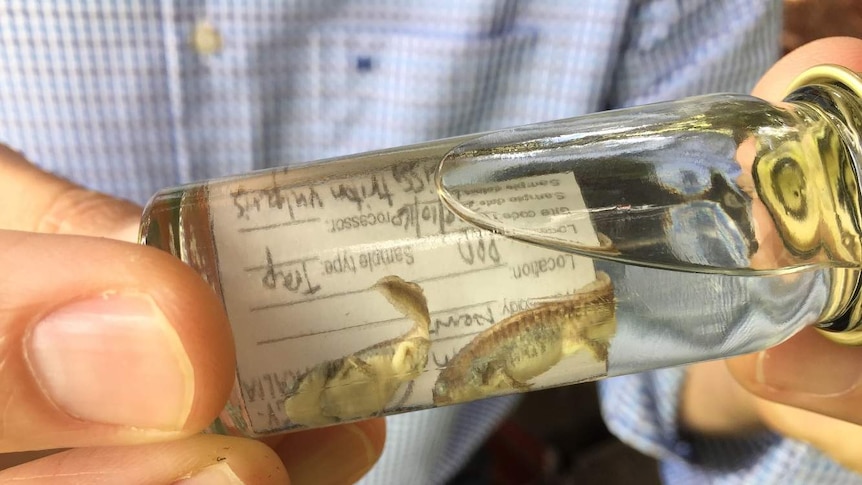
274,385
292,277
278,198
375,186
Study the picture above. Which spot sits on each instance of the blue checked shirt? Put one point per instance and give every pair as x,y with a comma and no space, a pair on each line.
131,96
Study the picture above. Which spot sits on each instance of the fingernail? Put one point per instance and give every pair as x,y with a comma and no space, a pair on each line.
218,474
115,360
127,232
810,365
340,454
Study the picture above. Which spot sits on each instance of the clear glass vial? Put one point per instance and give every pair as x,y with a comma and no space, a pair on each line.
530,257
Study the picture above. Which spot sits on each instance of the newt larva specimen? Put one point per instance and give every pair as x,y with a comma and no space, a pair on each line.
506,356
361,384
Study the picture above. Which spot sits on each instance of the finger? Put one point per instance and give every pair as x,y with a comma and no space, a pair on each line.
201,460
714,404
808,371
837,438
334,455
844,51
105,342
33,200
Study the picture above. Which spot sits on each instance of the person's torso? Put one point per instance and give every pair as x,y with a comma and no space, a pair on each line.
129,97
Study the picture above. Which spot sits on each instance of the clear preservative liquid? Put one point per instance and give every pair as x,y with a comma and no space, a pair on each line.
532,257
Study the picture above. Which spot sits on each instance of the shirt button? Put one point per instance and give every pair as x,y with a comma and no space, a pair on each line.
205,39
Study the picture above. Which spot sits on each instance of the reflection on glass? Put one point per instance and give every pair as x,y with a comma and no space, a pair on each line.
724,184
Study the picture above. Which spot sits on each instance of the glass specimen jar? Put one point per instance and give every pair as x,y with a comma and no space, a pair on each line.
530,257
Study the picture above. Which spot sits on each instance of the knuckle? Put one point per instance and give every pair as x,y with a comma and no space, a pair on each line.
75,210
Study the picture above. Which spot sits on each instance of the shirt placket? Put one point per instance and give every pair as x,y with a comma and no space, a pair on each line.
213,120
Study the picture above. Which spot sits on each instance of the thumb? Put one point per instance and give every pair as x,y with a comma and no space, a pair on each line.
105,342
808,371
101,342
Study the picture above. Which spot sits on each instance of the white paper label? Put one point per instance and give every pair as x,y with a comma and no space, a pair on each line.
297,265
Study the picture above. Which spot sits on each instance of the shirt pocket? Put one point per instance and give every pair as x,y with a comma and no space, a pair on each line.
378,89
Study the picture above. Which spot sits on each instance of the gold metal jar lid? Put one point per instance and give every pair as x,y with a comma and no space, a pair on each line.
846,297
